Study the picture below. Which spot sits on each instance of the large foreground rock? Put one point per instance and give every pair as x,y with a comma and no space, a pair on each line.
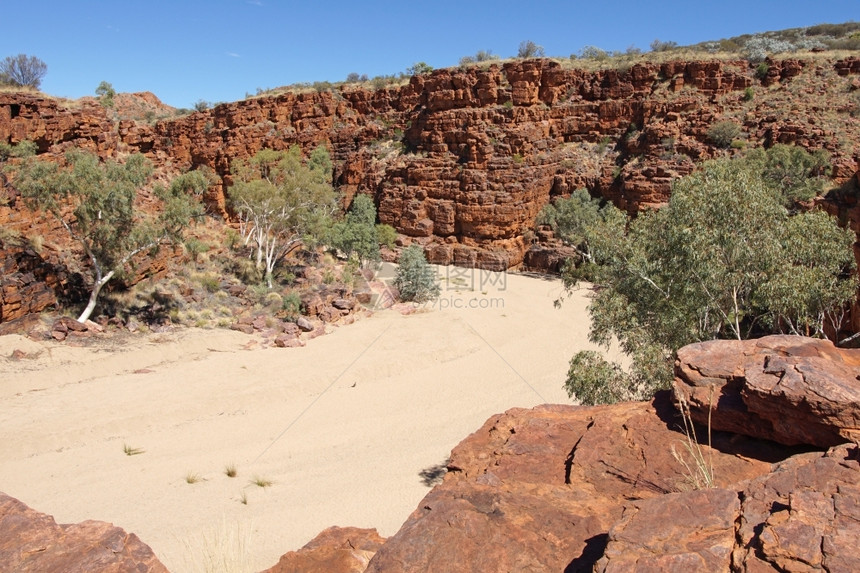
789,389
622,488
804,516
539,490
33,541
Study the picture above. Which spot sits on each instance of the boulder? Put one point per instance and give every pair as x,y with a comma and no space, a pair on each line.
789,389
288,341
304,324
802,516
343,304
335,550
540,489
33,541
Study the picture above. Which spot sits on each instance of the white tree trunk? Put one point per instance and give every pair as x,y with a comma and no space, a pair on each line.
94,295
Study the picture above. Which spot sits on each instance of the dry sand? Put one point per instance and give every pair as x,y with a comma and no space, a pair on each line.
342,427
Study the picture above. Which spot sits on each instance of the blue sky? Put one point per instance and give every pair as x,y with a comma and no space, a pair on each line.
220,50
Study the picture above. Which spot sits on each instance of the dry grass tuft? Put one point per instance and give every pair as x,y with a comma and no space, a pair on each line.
261,481
130,451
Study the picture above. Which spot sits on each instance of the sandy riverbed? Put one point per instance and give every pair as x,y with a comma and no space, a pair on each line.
342,427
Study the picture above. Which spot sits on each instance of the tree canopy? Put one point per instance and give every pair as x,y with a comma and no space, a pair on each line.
281,201
22,70
416,279
94,201
724,258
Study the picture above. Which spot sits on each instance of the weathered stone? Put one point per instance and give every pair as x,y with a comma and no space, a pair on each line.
789,389
33,542
304,324
801,516
539,490
676,532
287,341
329,314
335,550
343,304
245,328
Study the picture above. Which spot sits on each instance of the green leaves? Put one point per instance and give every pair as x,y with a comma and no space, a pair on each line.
725,258
95,203
357,233
416,279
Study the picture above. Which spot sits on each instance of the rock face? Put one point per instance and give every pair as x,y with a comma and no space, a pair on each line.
335,550
32,541
462,159
617,488
539,490
788,389
803,516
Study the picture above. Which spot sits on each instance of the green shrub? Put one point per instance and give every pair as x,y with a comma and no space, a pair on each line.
386,235
106,94
593,53
418,69
593,380
195,247
749,94
660,46
416,279
356,234
529,49
762,70
723,133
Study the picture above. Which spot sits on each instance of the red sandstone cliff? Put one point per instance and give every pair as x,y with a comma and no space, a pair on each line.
462,160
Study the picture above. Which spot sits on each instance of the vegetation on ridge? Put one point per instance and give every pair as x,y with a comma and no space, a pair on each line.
731,256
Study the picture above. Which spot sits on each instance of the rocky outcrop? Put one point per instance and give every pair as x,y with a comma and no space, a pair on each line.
33,541
462,159
335,550
624,488
803,516
788,389
539,490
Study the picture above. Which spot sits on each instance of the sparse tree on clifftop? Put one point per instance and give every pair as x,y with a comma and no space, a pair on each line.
22,70
529,49
95,203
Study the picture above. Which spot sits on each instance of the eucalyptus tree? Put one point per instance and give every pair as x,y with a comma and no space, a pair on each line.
724,259
97,204
281,201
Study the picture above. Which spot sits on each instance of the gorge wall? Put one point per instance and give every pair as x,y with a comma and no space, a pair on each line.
462,160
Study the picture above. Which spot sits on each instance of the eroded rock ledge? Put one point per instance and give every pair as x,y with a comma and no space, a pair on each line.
33,542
